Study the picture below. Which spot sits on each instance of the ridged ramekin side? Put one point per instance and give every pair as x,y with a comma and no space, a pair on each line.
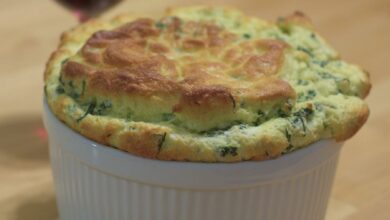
84,192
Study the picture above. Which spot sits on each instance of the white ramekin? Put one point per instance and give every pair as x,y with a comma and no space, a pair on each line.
95,182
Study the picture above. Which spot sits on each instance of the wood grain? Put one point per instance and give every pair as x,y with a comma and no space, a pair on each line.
359,29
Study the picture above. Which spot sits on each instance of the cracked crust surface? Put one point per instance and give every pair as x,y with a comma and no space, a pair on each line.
204,84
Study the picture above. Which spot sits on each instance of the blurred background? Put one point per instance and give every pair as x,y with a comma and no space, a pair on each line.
30,30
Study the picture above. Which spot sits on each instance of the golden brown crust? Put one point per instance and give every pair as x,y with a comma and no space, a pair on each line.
123,81
360,116
205,99
297,18
138,55
146,143
367,84
141,59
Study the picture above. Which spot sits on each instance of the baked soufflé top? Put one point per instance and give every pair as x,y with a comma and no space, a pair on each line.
206,84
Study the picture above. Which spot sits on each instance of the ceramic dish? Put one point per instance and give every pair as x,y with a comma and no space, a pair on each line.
95,182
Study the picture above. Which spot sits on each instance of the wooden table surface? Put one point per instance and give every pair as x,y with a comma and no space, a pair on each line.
29,31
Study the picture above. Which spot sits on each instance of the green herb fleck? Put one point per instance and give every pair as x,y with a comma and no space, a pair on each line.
45,90
74,95
90,110
295,121
242,126
321,63
167,116
212,132
325,125
247,36
326,75
301,116
302,82
160,25
83,88
60,90
223,151
307,51
284,28
161,141
302,120
106,104
311,94
103,108
64,61
307,96
288,135
61,80
304,112
282,113
261,117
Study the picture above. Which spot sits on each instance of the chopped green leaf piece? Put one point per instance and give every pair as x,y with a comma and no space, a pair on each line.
247,36
90,109
167,116
307,51
223,151
60,90
160,25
